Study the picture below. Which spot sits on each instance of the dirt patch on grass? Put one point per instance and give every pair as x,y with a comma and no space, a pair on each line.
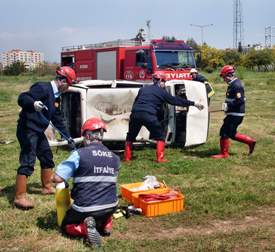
263,218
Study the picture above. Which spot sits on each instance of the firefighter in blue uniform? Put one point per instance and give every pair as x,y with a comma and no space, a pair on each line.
145,112
94,169
38,108
198,77
234,108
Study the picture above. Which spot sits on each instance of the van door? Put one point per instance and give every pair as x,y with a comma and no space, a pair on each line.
73,106
197,121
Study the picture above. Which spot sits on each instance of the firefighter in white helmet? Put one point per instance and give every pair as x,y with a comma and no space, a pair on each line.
199,77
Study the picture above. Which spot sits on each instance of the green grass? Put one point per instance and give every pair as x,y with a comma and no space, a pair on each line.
230,204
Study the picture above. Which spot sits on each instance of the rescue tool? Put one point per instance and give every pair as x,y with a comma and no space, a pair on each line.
68,139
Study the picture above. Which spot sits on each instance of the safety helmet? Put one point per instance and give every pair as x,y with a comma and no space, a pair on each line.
93,124
68,73
226,70
193,70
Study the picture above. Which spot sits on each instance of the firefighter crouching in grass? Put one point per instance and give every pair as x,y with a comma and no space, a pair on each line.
37,110
234,108
145,111
94,169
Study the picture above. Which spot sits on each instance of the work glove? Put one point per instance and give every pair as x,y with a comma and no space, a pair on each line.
199,106
224,107
38,106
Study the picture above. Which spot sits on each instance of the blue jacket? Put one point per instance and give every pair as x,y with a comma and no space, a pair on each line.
151,98
95,179
200,78
235,98
29,118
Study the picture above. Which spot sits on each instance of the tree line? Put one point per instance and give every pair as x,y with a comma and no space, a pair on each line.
208,59
19,67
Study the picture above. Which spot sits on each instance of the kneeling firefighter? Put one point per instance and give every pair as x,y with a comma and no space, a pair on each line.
234,108
94,169
145,111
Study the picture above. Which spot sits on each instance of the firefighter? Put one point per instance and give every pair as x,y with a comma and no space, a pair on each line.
38,108
234,108
198,77
94,169
145,112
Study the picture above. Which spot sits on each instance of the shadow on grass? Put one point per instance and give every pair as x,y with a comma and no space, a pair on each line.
9,191
48,221
201,154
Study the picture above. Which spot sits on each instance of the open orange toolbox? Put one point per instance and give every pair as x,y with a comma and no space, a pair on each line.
127,190
159,207
152,208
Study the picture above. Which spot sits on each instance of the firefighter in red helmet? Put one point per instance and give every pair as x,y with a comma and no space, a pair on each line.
234,108
94,169
145,112
39,107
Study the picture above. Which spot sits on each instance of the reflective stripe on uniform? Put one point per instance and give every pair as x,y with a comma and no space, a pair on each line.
235,114
110,179
93,208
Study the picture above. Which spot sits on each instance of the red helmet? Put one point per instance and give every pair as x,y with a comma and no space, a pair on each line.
68,73
227,69
93,124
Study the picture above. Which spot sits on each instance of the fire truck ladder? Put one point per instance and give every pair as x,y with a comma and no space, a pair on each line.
108,44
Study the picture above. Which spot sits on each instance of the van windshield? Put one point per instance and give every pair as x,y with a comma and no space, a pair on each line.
175,59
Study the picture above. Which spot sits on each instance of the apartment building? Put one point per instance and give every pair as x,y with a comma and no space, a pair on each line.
30,58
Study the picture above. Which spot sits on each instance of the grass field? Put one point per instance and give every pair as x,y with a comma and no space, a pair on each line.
230,204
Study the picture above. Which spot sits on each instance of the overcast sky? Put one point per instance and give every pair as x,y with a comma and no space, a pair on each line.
47,25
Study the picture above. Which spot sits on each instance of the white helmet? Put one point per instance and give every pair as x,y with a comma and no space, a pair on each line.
193,70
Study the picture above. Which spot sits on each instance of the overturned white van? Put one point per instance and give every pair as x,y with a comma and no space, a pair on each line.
112,102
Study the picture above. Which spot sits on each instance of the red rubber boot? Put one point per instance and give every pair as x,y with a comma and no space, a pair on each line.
251,142
107,227
128,151
224,145
76,230
160,152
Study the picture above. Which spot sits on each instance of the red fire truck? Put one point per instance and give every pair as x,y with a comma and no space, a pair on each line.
130,59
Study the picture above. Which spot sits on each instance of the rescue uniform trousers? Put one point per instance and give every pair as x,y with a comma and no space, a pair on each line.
230,125
33,144
150,121
74,217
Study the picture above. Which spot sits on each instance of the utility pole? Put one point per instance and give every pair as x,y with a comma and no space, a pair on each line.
238,39
148,24
269,35
202,30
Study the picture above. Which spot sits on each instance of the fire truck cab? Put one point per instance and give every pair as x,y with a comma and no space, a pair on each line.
130,59
112,100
